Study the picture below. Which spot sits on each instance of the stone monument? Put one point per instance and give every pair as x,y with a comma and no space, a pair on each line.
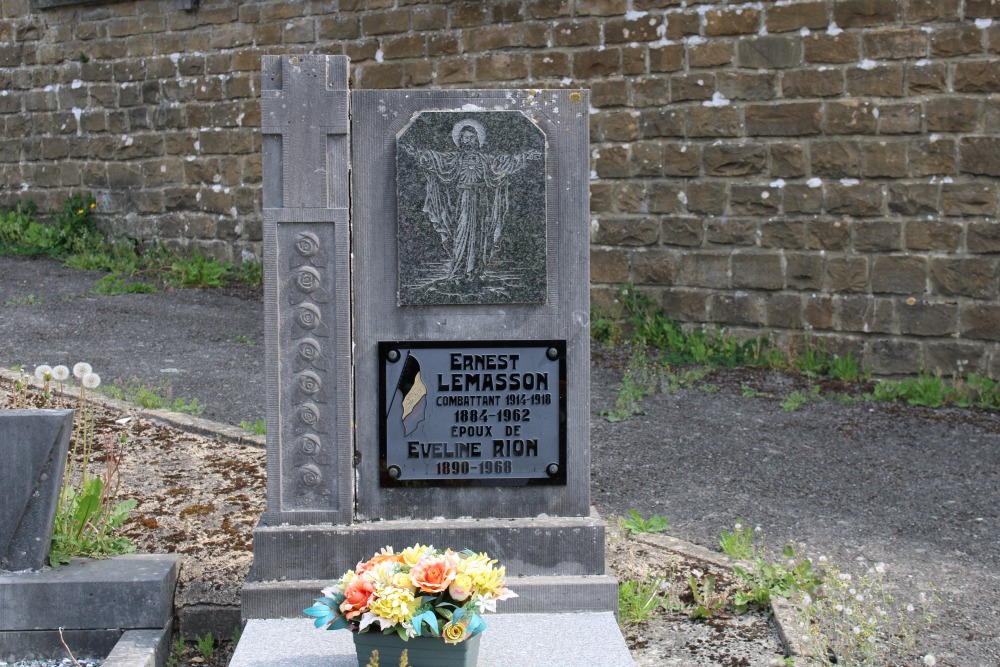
428,349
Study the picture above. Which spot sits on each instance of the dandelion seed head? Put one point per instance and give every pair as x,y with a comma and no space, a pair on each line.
81,368
930,660
60,372
91,380
43,372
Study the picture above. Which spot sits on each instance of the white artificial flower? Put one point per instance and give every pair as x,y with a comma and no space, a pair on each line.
81,368
91,380
930,660
60,373
42,371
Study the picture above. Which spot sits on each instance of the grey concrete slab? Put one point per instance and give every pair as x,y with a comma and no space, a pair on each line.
46,644
133,591
511,640
33,446
541,546
141,648
287,599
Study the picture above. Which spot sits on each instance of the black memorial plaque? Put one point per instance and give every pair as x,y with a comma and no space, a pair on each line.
472,413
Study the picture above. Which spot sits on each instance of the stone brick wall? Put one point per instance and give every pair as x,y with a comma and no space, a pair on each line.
816,166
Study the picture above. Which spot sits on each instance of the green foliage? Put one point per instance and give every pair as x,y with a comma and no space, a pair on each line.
30,300
698,346
739,543
199,271
707,602
111,285
638,600
249,273
641,379
150,396
636,524
89,516
812,360
844,368
243,339
258,426
794,401
766,580
176,652
71,235
206,645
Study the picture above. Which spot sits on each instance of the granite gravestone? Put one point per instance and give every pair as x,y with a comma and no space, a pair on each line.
33,446
468,292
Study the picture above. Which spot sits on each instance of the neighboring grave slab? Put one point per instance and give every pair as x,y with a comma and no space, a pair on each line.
33,447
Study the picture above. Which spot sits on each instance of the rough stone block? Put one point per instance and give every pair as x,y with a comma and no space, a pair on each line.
862,199
885,159
825,48
812,83
865,13
953,358
933,235
134,591
839,159
656,266
686,305
804,270
969,199
754,199
980,155
979,320
770,52
733,159
608,265
754,270
33,446
682,231
896,43
783,119
899,274
864,313
877,81
927,318
787,160
782,233
892,356
930,157
706,270
737,85
976,76
795,16
983,236
731,231
974,277
736,308
826,234
818,311
741,21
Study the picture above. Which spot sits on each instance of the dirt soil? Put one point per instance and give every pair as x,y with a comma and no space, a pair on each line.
862,483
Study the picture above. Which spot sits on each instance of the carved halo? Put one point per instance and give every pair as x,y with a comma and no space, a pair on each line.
456,132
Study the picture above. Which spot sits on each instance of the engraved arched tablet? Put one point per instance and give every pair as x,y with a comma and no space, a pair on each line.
471,226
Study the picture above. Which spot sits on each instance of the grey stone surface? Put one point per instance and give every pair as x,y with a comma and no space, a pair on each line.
133,591
33,446
470,197
141,648
511,640
536,595
526,547
46,644
307,334
377,117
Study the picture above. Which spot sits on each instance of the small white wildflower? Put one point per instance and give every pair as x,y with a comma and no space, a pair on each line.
930,660
739,526
91,380
60,372
910,608
848,611
697,573
844,576
839,607
757,529
806,598
880,568
822,559
859,598
852,591
856,630
81,368
43,372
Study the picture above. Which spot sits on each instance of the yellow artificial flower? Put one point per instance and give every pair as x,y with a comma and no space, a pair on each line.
454,633
489,583
412,554
394,604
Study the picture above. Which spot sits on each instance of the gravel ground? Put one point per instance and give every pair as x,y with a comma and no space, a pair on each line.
913,488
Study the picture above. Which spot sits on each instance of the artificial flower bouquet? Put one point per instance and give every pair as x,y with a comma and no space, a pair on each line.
419,592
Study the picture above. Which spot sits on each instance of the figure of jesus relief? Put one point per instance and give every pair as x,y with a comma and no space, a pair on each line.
475,205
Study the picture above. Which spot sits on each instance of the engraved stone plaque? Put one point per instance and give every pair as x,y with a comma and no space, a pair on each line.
470,190
473,414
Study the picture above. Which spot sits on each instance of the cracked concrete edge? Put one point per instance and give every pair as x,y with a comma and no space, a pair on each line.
792,639
182,422
141,648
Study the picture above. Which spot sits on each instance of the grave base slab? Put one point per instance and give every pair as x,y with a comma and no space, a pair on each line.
511,640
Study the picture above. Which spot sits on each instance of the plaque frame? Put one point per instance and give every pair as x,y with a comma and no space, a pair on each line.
558,478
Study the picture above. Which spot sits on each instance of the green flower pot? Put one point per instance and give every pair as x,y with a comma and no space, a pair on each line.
422,651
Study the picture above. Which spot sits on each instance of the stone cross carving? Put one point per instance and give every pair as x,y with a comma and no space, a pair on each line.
304,113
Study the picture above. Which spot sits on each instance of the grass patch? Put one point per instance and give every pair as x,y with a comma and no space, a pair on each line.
71,236
150,396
